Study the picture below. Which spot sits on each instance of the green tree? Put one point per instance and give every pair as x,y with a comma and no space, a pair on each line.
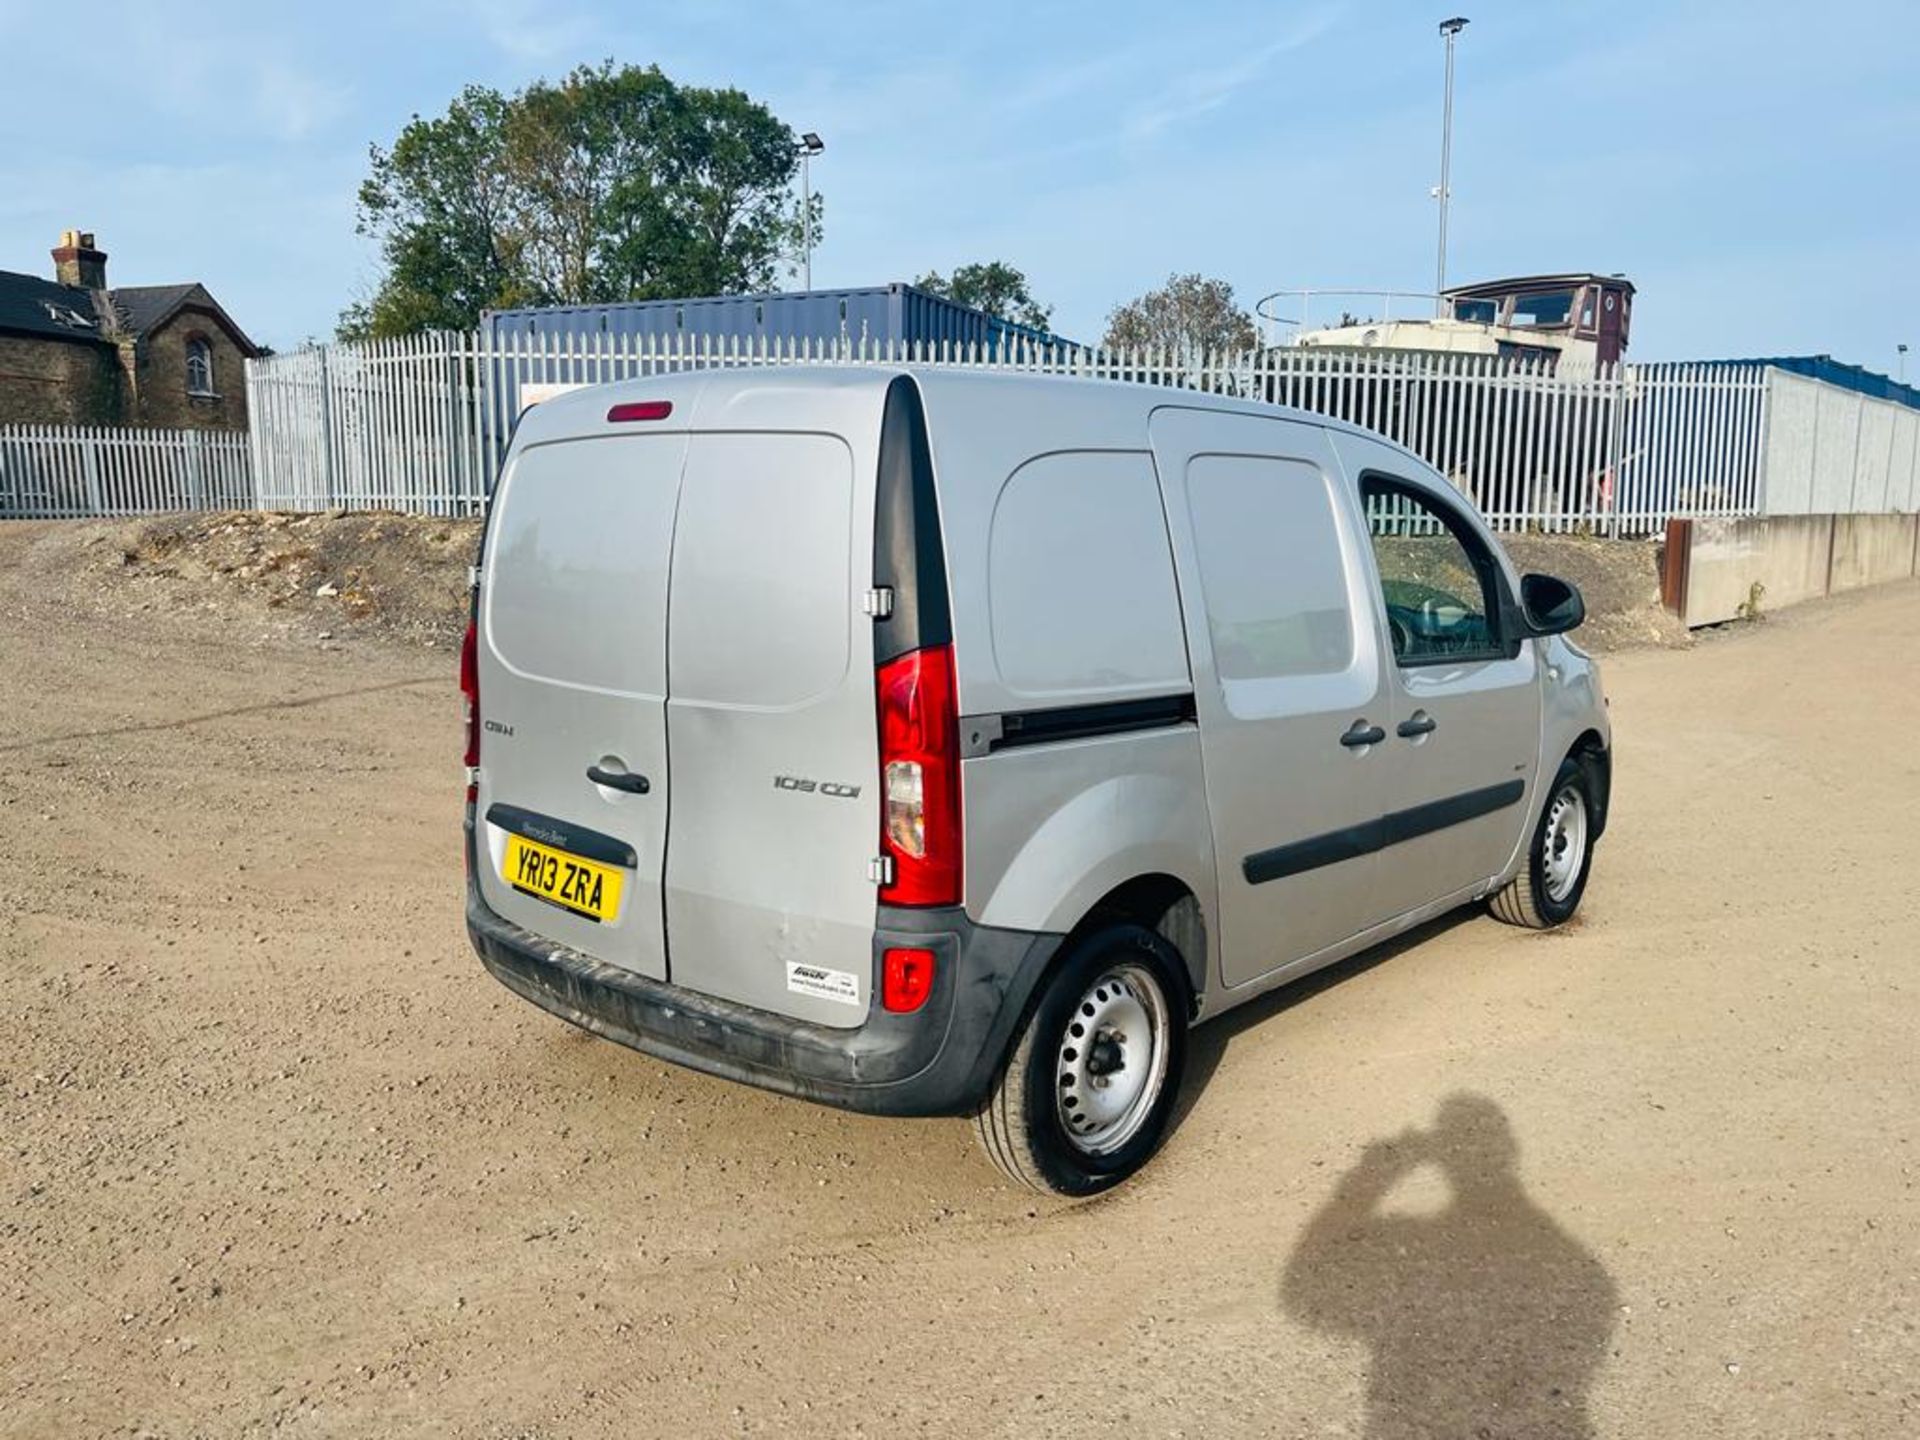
1189,312
611,184
995,287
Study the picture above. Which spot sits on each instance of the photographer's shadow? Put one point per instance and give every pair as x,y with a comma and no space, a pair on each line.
1484,1317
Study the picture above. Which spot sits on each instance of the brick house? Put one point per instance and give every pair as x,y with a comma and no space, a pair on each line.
74,352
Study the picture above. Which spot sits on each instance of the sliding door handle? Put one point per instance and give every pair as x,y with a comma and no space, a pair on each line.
1361,733
1417,724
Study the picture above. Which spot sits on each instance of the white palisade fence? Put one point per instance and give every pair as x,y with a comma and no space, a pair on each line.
63,471
422,423
399,424
1612,452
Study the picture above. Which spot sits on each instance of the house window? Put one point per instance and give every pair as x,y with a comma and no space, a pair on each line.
199,367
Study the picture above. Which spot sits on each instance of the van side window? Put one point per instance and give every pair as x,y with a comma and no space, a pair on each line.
1081,579
1270,563
1436,576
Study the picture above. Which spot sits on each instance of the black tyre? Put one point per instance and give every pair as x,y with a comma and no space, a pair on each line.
1088,1092
1548,888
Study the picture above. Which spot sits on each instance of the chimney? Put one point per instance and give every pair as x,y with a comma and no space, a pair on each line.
76,262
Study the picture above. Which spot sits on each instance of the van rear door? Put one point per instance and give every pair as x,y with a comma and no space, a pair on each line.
771,716
573,785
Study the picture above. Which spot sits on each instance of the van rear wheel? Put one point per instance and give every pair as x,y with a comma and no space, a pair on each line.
1087,1095
1548,888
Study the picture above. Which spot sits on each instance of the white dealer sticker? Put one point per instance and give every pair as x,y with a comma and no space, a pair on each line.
841,985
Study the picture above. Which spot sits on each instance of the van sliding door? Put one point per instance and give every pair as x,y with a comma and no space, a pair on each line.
1288,680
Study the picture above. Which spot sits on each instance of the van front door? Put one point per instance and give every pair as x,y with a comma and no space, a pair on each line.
1465,722
1289,680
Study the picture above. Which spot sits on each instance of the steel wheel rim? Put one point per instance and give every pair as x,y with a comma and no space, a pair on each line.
1565,843
1112,1059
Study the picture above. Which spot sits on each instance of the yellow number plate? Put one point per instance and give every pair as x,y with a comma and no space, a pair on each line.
582,886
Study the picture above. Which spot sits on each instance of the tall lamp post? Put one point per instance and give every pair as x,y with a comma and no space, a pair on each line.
1903,362
810,146
1449,29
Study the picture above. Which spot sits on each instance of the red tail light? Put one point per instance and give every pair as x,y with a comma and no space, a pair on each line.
470,692
906,979
920,778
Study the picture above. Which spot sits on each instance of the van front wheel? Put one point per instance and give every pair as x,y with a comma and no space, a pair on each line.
1087,1095
1548,888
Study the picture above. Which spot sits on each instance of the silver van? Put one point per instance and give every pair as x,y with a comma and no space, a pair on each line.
930,742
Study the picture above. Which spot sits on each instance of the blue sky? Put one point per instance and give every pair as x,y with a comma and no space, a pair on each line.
1753,167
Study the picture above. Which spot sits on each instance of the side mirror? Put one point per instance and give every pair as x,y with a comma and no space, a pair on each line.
1552,606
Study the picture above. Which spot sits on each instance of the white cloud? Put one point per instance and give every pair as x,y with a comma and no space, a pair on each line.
529,30
1200,91
293,103
192,67
1056,82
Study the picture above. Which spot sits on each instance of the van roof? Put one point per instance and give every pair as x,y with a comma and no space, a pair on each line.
710,392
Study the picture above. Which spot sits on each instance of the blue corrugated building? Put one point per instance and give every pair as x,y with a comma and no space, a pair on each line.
898,313
1836,372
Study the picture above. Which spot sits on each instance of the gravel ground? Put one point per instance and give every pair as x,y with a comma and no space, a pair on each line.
276,1156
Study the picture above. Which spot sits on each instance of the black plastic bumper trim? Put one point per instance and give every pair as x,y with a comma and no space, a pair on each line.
1377,834
940,1060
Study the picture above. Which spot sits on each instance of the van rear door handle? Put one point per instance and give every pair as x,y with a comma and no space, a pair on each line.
1418,723
1361,733
619,780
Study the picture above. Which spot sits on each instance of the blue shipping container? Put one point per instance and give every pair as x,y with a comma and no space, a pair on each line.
903,314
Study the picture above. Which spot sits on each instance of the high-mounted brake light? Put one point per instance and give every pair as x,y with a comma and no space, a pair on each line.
470,693
920,778
641,410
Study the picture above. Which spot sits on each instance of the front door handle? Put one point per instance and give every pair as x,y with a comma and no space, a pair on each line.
1418,723
619,780
1361,733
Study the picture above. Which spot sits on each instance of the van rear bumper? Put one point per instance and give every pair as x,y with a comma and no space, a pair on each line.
940,1060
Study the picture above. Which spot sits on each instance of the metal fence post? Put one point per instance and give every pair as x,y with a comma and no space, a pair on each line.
256,459
1616,446
326,426
90,458
1763,445
196,470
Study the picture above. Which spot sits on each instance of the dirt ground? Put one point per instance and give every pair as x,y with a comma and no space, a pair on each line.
403,577
400,577
277,1157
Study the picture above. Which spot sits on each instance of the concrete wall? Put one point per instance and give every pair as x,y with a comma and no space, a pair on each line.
1871,550
1832,451
1786,555
1790,557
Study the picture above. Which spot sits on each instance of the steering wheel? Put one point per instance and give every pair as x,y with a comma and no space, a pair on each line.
1401,636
